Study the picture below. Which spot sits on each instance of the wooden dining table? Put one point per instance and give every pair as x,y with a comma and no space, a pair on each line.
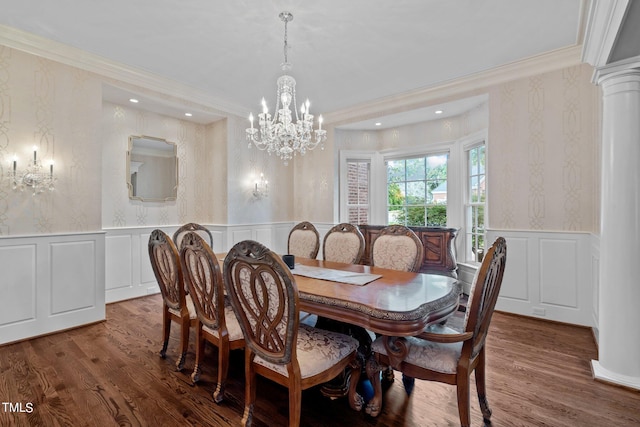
395,305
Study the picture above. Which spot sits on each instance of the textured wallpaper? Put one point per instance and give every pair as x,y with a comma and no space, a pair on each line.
196,189
543,157
544,152
56,109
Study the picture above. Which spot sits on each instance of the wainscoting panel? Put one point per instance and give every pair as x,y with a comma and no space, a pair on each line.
18,267
515,284
118,275
558,267
50,283
73,270
548,275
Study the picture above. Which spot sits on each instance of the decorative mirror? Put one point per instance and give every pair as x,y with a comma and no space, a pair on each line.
152,169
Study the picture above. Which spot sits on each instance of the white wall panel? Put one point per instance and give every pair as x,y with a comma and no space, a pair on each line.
73,272
18,269
50,283
548,275
558,268
515,284
118,262
263,235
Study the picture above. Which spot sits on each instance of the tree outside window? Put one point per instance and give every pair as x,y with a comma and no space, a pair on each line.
417,191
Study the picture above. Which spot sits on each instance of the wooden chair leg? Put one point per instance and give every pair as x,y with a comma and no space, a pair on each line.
223,369
295,403
481,387
464,399
200,346
184,343
249,389
166,330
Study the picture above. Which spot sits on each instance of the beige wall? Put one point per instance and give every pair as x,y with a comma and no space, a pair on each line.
57,109
195,181
543,153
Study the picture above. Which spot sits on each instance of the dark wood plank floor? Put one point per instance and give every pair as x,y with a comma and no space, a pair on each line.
110,374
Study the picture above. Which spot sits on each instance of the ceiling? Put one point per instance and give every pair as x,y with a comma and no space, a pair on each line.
344,53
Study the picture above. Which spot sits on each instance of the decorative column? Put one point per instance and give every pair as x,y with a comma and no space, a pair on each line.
619,290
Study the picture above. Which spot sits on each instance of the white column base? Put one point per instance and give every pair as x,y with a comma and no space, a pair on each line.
602,374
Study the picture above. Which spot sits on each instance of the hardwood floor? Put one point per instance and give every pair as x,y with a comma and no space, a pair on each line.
110,374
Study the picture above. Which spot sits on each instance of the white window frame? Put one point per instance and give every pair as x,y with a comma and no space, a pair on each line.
464,243
456,181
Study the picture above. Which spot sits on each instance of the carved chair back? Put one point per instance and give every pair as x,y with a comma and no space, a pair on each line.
264,297
304,240
398,248
165,262
343,243
204,280
483,297
201,230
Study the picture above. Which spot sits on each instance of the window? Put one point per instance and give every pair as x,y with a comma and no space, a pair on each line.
417,191
358,202
475,203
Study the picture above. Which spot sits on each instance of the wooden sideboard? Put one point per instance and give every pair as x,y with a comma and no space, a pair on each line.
438,242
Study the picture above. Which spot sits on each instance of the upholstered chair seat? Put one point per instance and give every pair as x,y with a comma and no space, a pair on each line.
435,356
318,350
189,303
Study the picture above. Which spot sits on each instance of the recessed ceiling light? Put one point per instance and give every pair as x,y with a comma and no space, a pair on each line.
135,101
438,111
188,114
378,124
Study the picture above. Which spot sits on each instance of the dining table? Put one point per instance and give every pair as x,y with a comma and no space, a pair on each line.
393,304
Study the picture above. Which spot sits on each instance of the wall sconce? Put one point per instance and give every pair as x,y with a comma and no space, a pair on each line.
261,188
35,175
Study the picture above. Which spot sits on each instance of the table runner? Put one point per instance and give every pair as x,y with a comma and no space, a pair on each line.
350,277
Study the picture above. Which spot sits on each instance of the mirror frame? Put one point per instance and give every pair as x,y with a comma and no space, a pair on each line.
171,197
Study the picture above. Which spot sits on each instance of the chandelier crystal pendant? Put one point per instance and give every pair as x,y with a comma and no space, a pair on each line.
280,135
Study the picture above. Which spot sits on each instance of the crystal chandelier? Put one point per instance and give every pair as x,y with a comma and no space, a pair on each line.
35,175
280,135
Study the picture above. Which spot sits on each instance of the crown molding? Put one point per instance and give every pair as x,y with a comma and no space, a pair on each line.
603,24
473,84
68,55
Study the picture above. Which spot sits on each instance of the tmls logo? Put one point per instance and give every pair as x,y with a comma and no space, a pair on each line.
17,407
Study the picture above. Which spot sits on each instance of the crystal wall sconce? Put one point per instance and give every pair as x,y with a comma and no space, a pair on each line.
35,175
261,187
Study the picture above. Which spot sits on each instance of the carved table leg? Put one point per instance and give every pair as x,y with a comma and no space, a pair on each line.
373,372
355,400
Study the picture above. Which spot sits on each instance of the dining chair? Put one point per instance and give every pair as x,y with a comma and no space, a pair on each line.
217,323
201,230
397,248
343,243
177,306
445,355
264,297
304,240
